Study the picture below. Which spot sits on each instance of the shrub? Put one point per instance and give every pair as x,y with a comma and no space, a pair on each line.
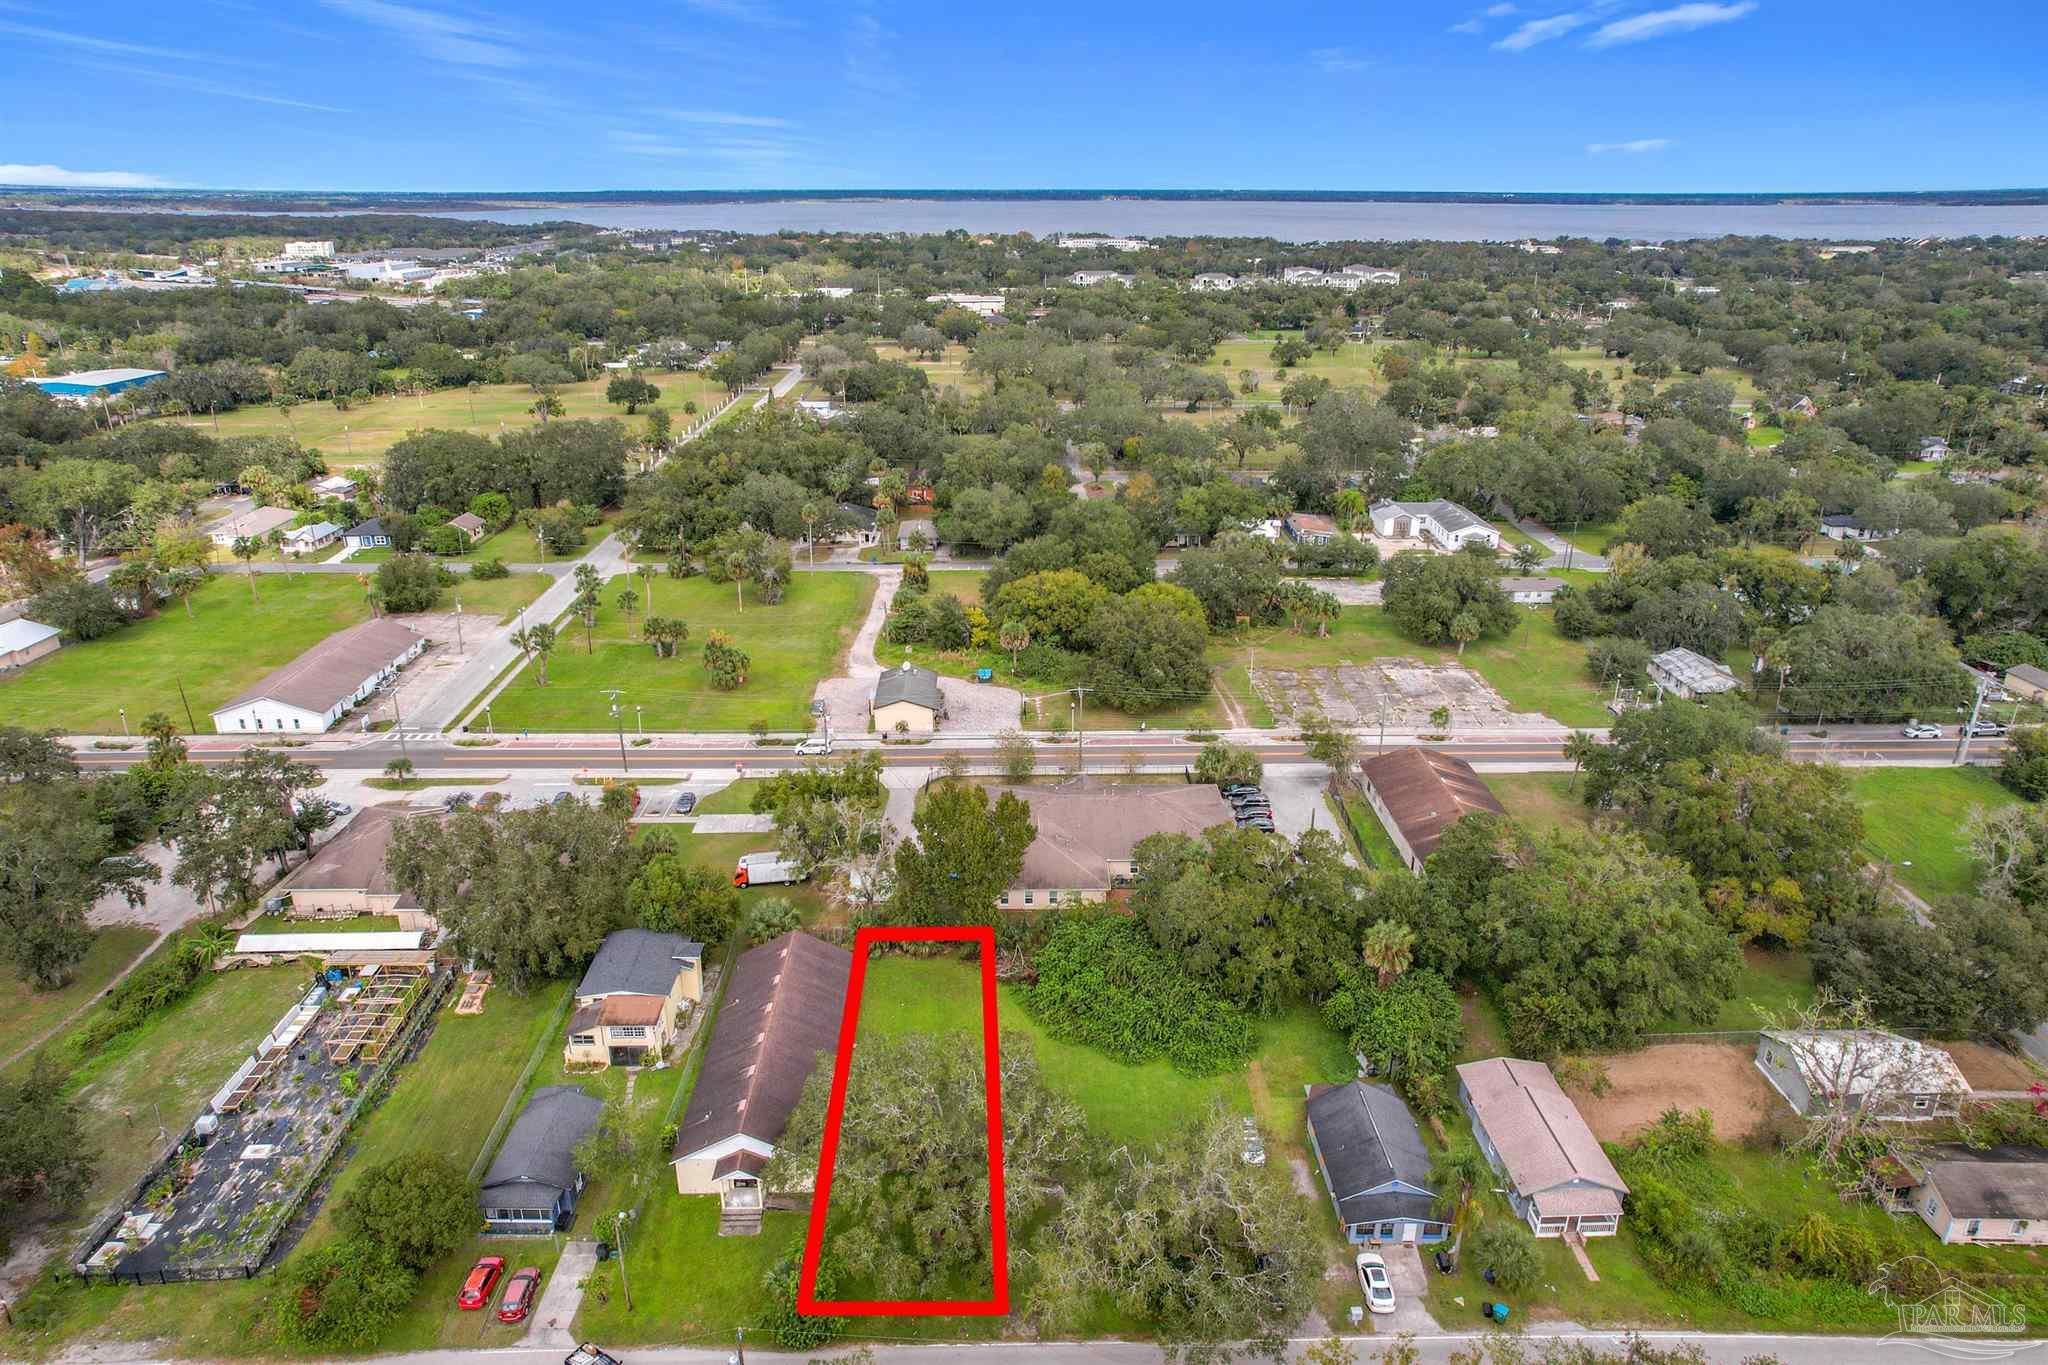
793,1330
343,1295
485,569
1618,659
1221,763
165,980
416,1206
410,582
1509,1250
1102,982
772,918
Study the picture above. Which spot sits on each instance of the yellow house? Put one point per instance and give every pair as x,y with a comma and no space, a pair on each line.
907,701
638,987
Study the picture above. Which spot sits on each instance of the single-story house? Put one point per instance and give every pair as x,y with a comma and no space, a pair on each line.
334,486
1843,526
633,994
1213,282
910,527
985,305
347,875
2027,682
1418,794
531,1188
1537,591
471,525
1803,406
1817,1070
94,383
1933,448
778,1022
23,641
306,539
254,524
1691,676
1444,522
1310,528
907,698
1997,1194
1373,1163
1087,832
824,409
1085,278
1559,1179
367,535
313,691
857,523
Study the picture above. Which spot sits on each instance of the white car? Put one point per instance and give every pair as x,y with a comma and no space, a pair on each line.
813,747
1921,730
1374,1280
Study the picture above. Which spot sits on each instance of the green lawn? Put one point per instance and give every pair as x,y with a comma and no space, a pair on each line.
26,1011
355,924
1765,437
1541,801
1379,846
735,798
1913,818
517,544
504,597
361,435
792,646
227,644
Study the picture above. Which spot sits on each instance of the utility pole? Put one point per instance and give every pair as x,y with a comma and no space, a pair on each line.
740,1358
398,724
192,726
1963,742
619,719
1080,731
458,623
619,1227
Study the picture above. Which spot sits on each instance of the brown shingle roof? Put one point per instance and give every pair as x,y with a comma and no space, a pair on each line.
334,668
781,1012
1549,1153
1426,793
630,1009
1083,827
353,860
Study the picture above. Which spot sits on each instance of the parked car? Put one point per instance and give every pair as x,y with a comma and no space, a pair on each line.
685,802
1244,794
1374,1280
1237,788
587,1354
1984,729
483,1278
1916,729
812,748
1262,823
520,1293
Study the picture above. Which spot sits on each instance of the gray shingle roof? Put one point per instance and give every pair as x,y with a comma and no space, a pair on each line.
908,682
1449,515
541,1148
1368,1139
638,962
1997,1182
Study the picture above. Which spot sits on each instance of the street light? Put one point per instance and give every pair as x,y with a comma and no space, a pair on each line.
124,722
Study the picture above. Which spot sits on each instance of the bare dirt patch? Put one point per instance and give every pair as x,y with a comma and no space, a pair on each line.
1720,1078
1990,1068
1402,692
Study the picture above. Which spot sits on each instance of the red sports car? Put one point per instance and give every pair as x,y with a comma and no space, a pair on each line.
520,1292
483,1278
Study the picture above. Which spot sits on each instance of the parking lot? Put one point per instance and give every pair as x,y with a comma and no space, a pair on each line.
1396,692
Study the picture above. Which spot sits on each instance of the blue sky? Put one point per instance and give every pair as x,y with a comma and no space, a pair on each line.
1643,95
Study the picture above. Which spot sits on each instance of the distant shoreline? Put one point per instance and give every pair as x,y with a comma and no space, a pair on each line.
423,201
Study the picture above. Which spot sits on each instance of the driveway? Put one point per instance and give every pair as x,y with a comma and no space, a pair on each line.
971,707
1411,1283
1563,554
1296,791
560,1297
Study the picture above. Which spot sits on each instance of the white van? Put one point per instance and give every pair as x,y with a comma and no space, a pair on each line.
765,869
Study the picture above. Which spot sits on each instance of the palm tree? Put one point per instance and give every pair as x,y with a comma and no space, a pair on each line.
246,549
1458,1172
1013,636
1389,949
1352,509
811,513
627,600
536,643
1464,629
1580,747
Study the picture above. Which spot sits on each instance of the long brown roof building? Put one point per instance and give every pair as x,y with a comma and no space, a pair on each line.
1419,793
780,1016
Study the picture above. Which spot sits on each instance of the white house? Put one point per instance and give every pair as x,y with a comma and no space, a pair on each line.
254,524
1933,448
302,540
1538,591
1084,278
24,641
312,692
1374,274
335,486
1446,523
1685,674
1842,526
1213,282
985,305
1300,274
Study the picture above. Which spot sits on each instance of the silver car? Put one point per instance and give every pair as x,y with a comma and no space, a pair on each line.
1374,1280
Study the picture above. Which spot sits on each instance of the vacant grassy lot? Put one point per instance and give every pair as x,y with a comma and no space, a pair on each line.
1913,819
792,646
361,435
949,371
228,643
1541,801
506,597
25,1011
1534,668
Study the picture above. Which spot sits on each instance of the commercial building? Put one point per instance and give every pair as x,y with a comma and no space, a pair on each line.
348,875
312,692
96,383
1088,831
985,305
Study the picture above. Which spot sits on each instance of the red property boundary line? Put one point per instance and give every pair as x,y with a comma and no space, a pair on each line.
998,1304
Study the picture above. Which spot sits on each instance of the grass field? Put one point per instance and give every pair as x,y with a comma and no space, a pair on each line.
25,1011
228,644
516,544
950,371
361,435
507,597
1913,818
1372,835
792,646
1540,801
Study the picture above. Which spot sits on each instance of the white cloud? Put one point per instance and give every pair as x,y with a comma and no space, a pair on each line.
1472,26
1661,23
205,87
744,11
91,44
56,177
1498,11
1337,59
722,118
868,64
1543,30
443,37
1635,148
